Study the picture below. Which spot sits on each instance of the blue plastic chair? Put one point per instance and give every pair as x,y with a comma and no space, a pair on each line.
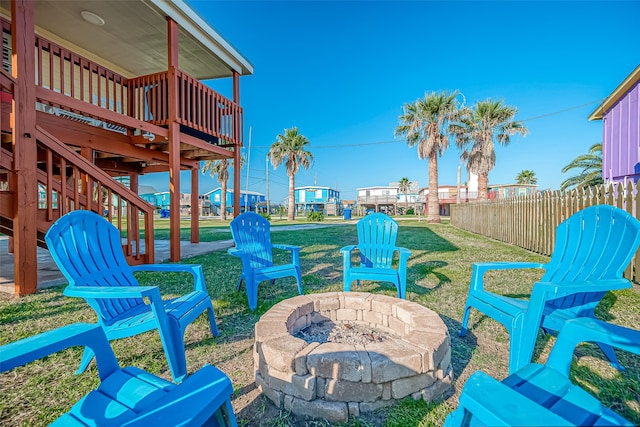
88,251
377,246
128,396
252,236
592,249
543,395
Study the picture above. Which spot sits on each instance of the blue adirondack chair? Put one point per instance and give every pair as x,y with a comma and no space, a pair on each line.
128,396
252,236
376,245
592,249
543,395
88,251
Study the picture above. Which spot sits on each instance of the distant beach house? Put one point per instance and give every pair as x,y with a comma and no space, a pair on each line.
348,204
380,198
148,194
620,113
509,191
450,194
387,198
248,200
447,196
390,200
319,199
163,201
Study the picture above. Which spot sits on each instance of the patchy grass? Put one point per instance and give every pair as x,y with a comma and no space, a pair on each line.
417,413
438,278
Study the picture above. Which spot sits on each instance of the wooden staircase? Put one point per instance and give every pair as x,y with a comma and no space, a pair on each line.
66,182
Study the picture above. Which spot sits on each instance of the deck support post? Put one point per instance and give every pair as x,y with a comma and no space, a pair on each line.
23,123
236,149
174,143
195,206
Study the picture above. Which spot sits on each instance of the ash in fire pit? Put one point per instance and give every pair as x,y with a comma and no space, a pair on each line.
344,333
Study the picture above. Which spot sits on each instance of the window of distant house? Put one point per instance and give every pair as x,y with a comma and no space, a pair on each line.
385,192
318,194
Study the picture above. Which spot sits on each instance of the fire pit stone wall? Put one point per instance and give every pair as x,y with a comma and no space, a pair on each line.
335,380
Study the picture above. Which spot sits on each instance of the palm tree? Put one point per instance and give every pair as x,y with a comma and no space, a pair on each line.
526,176
221,168
290,149
425,123
403,187
477,133
591,169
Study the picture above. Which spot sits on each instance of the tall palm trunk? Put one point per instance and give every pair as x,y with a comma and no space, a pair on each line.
406,203
223,200
483,184
292,201
433,211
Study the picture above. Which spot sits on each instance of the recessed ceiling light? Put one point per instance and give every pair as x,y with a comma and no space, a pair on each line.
92,18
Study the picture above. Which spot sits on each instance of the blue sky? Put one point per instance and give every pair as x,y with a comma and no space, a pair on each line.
341,72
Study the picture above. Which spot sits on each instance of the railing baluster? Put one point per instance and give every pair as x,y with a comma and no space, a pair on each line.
76,198
60,69
119,213
39,61
110,205
62,201
49,187
50,53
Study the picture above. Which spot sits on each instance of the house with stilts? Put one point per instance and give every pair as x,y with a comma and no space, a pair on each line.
95,90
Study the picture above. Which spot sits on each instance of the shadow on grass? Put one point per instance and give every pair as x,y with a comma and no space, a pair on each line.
420,272
207,234
462,348
616,390
603,309
50,303
424,239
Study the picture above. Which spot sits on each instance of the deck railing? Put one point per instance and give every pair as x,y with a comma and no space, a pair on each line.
199,107
62,71
211,116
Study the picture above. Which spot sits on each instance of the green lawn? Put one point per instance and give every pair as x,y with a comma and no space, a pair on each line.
438,278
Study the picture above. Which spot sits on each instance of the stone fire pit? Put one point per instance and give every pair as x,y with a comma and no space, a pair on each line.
404,349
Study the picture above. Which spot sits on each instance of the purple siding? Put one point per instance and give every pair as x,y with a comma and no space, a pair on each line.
621,139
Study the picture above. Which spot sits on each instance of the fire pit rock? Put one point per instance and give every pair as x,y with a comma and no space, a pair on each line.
409,354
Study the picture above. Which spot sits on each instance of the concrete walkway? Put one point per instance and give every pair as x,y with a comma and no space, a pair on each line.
49,274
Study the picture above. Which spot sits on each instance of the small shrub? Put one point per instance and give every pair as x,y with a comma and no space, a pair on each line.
265,216
410,211
315,216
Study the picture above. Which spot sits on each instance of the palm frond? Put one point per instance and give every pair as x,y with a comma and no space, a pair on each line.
590,167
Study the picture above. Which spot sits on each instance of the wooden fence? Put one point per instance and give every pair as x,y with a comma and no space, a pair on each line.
530,221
